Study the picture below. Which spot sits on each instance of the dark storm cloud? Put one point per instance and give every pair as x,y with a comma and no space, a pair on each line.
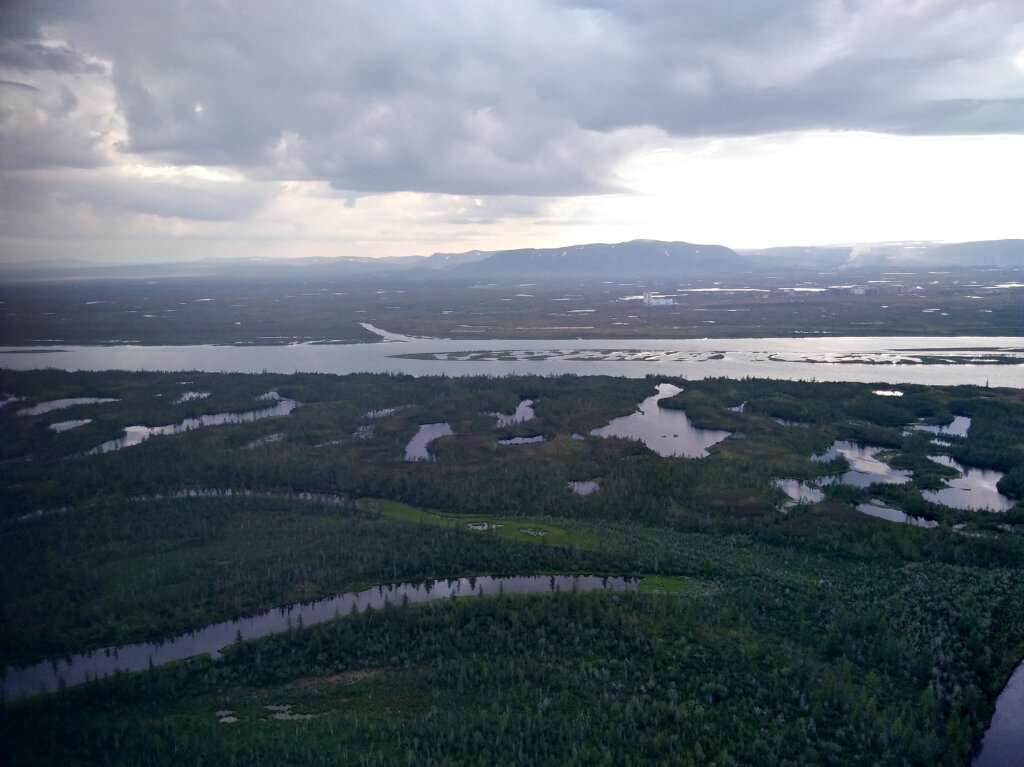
41,128
534,98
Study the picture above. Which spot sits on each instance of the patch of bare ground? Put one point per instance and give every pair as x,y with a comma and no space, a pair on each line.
344,678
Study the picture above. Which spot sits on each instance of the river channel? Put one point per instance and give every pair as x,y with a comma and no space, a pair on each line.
882,359
1003,742
20,682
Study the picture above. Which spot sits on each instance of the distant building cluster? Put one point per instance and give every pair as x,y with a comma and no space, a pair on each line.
880,289
651,300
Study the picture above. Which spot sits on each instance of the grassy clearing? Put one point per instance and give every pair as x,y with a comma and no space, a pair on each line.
529,529
672,585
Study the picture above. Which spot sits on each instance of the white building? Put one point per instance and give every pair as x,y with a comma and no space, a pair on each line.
651,300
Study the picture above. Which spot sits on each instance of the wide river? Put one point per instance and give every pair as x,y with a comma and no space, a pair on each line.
870,359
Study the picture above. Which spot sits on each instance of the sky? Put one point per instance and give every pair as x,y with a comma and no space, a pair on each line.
175,130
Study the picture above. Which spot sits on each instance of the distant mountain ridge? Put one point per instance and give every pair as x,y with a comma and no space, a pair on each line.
637,257
892,255
623,260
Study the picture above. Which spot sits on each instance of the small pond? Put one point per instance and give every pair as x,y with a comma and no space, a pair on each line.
794,424
584,486
798,491
482,527
973,490
878,509
189,396
133,435
1003,742
522,440
416,450
383,412
956,428
60,404
46,676
522,414
865,467
67,425
667,432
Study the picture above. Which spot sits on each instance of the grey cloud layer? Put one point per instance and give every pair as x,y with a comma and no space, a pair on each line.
535,98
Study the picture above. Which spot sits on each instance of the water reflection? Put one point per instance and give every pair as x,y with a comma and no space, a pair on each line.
189,396
957,427
66,425
416,450
60,404
798,491
382,413
973,490
584,487
1003,742
823,359
865,467
522,414
522,440
46,676
794,424
667,432
133,435
878,509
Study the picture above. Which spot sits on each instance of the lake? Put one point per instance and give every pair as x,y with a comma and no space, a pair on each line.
871,359
667,432
865,467
974,490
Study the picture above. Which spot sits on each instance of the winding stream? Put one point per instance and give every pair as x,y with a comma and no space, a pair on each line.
21,682
134,435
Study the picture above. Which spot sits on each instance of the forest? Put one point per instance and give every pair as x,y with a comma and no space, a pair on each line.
766,630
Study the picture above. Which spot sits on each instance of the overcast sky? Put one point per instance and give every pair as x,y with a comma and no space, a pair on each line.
137,131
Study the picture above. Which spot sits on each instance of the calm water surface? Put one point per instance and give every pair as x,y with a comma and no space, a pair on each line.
416,450
63,426
46,676
957,427
814,358
60,404
133,435
880,510
584,486
865,467
522,414
667,432
798,491
1003,742
973,490
522,440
